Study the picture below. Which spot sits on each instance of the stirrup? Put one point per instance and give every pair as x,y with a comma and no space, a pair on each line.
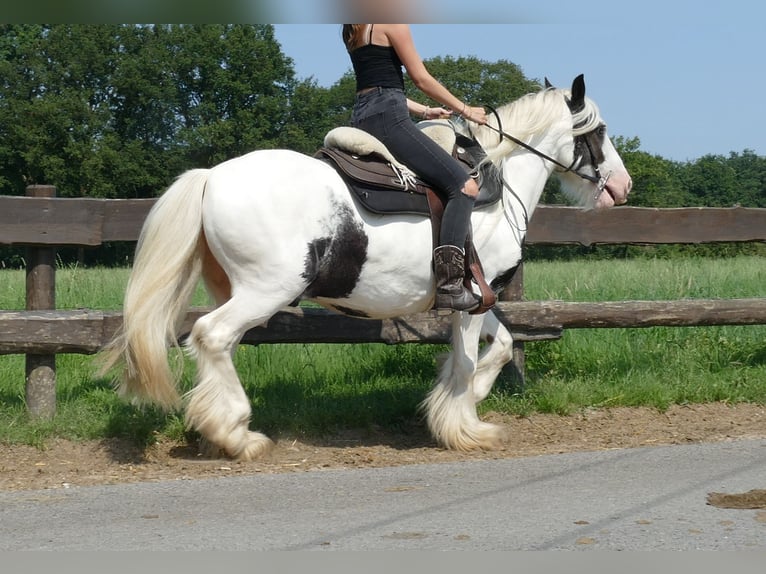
465,300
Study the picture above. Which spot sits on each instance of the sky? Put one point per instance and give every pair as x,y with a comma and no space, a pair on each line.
686,80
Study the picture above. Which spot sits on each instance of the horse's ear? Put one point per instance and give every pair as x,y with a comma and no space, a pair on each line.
578,89
577,102
548,84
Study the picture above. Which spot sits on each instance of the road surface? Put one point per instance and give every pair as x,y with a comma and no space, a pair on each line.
637,499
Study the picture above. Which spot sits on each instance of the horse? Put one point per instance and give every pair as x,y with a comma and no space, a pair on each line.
272,227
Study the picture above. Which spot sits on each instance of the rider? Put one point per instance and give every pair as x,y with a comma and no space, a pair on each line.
378,52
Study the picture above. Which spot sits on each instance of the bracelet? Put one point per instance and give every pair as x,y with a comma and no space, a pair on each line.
462,112
425,113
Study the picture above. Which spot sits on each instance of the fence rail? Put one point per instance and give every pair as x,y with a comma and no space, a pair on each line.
45,222
91,222
87,331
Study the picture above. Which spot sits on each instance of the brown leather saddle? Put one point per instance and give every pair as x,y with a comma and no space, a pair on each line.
381,189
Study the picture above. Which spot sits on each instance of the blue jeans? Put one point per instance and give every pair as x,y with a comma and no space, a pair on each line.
383,113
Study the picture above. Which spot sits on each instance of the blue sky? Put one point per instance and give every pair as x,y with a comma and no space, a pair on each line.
685,79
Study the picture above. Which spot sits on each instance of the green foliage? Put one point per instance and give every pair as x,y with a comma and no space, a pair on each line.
478,82
314,111
120,110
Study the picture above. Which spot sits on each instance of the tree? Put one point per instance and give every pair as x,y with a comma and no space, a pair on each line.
476,81
233,86
750,170
314,111
18,60
711,181
119,111
655,180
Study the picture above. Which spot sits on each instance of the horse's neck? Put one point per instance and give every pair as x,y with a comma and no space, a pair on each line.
500,245
525,174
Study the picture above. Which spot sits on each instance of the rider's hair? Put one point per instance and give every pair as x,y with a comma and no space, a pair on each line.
353,35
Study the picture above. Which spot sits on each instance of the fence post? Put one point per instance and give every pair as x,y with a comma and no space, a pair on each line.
40,391
514,291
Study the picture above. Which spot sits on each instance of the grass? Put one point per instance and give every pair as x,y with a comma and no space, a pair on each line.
316,389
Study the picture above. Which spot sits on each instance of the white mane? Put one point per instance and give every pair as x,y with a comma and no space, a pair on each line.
532,114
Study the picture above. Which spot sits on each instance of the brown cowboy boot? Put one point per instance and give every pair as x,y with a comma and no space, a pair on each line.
449,268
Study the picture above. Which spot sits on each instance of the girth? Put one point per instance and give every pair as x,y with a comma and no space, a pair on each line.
382,189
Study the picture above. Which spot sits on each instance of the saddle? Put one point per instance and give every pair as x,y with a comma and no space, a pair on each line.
384,186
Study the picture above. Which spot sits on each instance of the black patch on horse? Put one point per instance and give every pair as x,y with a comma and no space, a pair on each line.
589,146
504,279
333,263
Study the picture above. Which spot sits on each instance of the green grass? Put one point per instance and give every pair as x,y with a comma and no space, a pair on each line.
656,366
316,389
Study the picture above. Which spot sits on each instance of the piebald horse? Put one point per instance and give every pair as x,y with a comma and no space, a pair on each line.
273,226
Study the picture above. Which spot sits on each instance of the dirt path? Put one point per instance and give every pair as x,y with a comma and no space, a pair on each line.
63,463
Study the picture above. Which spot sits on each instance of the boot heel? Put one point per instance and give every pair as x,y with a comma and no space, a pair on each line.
449,268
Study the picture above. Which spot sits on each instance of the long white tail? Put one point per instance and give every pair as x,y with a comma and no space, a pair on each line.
165,273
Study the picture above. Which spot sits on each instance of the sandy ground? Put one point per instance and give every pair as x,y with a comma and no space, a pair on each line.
62,464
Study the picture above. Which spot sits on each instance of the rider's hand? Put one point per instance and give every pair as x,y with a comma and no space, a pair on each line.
436,114
475,114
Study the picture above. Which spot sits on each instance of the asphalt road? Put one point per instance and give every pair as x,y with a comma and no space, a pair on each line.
638,499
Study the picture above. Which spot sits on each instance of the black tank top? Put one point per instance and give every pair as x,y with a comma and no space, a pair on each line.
377,66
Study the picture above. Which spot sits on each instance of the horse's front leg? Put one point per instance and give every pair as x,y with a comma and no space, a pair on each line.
450,407
497,352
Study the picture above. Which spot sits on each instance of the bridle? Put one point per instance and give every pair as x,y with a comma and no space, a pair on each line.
573,167
598,179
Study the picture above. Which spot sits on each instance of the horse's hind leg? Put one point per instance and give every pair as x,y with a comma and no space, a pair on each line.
218,407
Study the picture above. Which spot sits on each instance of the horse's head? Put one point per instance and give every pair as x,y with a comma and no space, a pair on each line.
596,177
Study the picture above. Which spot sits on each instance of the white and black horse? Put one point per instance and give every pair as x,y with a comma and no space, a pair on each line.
274,226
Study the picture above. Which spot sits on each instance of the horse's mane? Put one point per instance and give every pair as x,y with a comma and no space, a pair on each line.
532,114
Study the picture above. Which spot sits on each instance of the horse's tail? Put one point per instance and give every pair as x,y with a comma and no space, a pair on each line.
165,273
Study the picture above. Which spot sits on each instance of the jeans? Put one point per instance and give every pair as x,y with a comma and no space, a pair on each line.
383,113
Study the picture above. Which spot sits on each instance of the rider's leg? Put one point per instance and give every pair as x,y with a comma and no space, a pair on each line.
384,114
449,257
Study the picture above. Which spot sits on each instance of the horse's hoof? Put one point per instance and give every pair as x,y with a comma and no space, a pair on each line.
209,450
482,437
256,446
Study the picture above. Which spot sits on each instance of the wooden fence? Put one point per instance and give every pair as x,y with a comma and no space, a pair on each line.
41,222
